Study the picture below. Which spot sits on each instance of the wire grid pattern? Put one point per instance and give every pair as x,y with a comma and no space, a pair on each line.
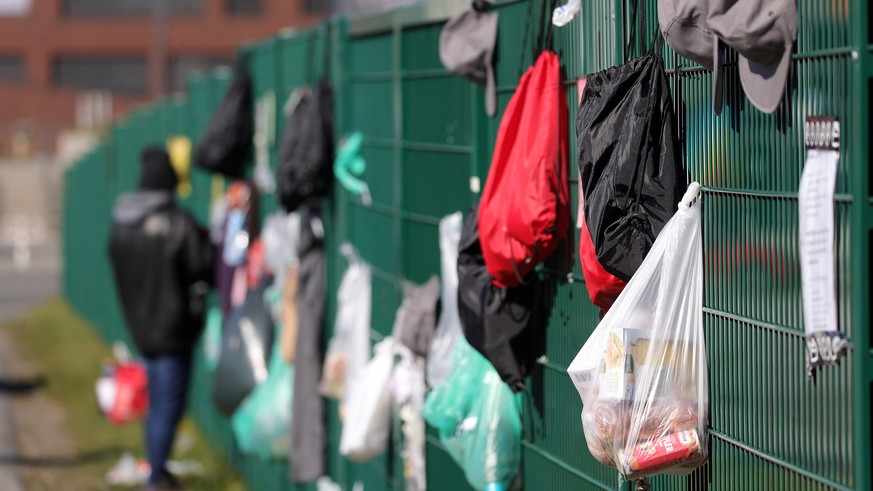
427,137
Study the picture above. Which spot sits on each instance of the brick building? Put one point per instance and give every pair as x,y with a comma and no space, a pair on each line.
97,57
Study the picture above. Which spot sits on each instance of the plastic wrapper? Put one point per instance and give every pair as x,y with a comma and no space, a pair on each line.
478,420
349,348
367,426
448,329
642,374
262,423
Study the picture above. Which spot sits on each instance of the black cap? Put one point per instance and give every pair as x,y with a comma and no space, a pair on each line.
156,171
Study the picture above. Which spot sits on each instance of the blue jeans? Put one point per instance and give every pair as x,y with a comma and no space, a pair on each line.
168,387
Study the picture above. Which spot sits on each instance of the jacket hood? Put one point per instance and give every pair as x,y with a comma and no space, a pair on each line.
133,207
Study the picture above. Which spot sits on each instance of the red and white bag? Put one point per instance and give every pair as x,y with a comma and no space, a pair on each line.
131,402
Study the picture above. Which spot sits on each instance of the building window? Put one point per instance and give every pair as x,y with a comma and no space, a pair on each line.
117,74
244,7
11,68
183,66
110,8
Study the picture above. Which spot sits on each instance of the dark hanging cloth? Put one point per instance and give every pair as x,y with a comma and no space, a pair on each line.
307,425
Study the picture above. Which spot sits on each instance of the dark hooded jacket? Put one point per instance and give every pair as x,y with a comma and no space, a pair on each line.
162,263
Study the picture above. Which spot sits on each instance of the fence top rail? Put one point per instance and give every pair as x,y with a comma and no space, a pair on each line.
420,13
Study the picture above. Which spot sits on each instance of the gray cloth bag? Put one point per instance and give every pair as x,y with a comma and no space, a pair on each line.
307,424
417,317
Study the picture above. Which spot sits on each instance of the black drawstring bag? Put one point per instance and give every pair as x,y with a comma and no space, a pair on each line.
629,159
503,324
224,147
305,169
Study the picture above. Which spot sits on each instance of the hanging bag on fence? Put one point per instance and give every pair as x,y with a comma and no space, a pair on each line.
417,315
503,324
224,147
477,420
306,156
603,288
262,423
245,350
448,329
349,347
367,427
524,212
642,374
629,158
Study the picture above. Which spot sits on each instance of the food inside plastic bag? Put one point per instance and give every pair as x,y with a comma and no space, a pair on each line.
642,374
367,427
349,348
477,419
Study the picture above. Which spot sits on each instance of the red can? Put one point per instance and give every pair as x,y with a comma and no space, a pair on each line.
661,452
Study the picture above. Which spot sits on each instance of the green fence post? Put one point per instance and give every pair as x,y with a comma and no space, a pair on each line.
862,220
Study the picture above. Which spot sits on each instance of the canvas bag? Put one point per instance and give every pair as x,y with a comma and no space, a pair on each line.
630,164
524,212
227,141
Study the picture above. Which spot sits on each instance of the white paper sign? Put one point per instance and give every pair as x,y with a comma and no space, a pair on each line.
816,210
824,342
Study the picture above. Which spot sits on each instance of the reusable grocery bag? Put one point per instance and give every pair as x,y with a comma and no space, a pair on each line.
642,374
262,423
349,348
477,419
367,425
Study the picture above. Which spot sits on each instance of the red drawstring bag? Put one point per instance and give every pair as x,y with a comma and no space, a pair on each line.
603,287
131,394
524,211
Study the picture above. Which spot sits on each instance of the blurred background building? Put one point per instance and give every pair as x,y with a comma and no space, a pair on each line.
73,64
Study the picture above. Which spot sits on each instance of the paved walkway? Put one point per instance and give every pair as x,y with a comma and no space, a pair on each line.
24,192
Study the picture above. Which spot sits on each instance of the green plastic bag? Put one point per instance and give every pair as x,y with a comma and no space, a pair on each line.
477,419
212,338
262,423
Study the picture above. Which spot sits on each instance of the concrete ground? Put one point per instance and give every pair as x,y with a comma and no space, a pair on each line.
28,197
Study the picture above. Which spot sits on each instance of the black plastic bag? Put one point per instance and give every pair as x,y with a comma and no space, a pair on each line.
245,350
503,324
226,144
305,169
629,159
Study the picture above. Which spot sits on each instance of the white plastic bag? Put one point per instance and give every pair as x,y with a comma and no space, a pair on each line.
448,329
367,425
349,348
563,14
642,374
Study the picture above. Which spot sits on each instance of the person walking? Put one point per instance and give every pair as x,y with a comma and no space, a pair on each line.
162,262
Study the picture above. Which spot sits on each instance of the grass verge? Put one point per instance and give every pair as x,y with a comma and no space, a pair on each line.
66,443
